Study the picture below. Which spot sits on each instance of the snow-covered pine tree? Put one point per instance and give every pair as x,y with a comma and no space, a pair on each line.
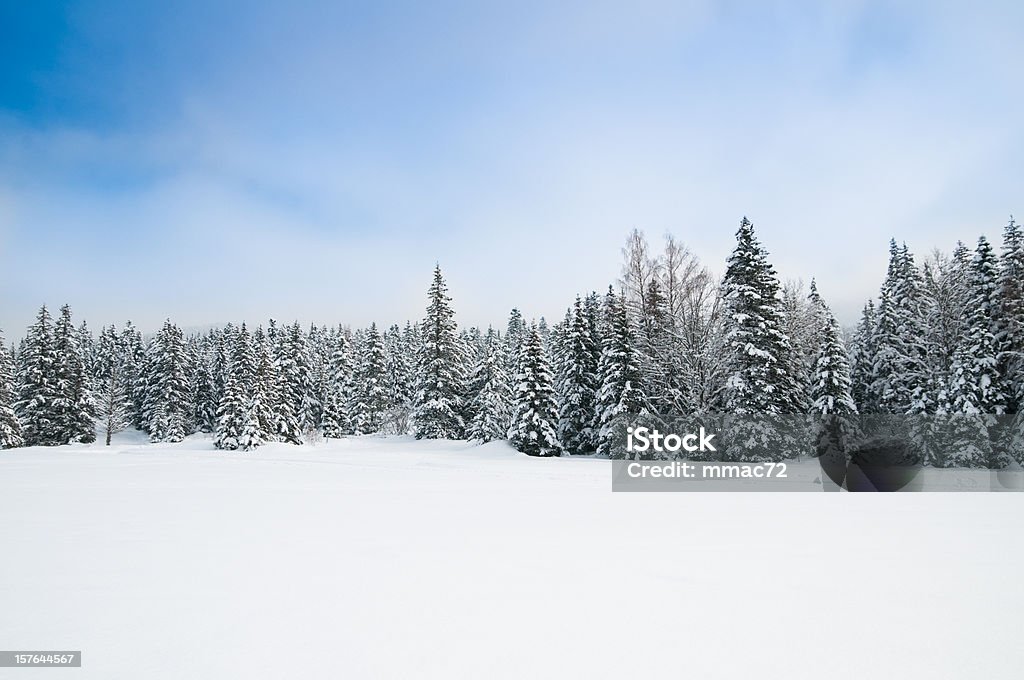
534,416
620,395
975,395
237,422
10,427
759,360
113,384
337,418
74,409
169,386
1010,316
578,384
135,364
491,394
370,393
440,370
204,383
398,379
265,385
831,390
758,353
515,332
862,361
39,391
293,375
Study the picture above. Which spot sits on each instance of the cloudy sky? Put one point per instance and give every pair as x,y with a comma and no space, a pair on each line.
215,161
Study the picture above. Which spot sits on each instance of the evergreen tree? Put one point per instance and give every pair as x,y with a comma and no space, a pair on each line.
620,395
337,418
204,383
1010,315
440,373
265,385
578,384
399,379
74,409
39,391
237,422
533,430
370,397
168,407
10,428
113,384
975,395
135,364
831,389
758,353
491,393
293,376
862,360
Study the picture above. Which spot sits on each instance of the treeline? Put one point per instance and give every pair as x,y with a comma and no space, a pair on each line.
669,339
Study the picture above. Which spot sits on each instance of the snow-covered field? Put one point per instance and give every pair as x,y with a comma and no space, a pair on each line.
381,558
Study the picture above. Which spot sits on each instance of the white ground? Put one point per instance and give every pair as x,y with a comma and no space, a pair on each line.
382,558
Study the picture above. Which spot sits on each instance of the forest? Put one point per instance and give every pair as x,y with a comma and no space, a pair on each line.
941,344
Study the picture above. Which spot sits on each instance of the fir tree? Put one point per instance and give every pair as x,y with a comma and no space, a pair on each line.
491,393
830,384
168,406
399,382
758,351
578,384
440,373
533,430
10,428
975,394
39,391
1010,315
337,419
620,395
265,385
370,397
237,421
293,376
74,408
113,384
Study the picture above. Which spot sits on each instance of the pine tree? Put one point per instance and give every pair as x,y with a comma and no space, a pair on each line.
135,363
39,391
337,419
1010,315
204,383
533,430
440,373
491,393
293,374
975,395
237,421
10,427
862,358
578,385
112,384
620,395
265,385
370,393
759,354
168,407
74,409
831,390
399,382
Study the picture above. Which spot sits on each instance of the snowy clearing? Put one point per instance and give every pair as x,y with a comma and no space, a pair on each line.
375,557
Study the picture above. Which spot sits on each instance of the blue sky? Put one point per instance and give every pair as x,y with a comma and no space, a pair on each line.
223,161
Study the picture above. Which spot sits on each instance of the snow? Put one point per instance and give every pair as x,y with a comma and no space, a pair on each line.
390,557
